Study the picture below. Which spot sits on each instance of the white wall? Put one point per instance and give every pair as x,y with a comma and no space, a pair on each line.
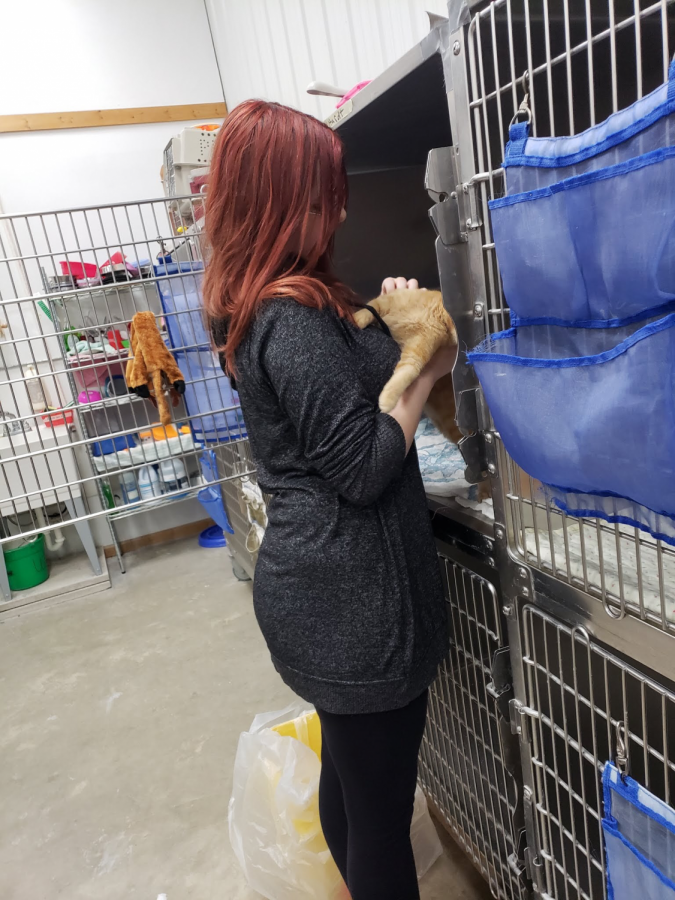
66,55
274,48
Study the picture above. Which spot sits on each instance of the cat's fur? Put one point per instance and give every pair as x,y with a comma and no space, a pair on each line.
420,325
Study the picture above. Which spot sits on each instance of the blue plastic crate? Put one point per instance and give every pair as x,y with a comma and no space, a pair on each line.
210,401
181,296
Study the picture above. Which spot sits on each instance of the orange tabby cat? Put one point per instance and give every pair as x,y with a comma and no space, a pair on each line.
420,325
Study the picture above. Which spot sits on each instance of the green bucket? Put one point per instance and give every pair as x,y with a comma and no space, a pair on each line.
25,563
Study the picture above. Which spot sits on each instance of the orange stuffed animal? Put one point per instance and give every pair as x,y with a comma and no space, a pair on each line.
152,370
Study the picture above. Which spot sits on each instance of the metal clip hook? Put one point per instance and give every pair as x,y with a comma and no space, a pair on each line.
524,108
621,758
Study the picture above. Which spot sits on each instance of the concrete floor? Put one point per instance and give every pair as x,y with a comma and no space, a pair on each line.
119,720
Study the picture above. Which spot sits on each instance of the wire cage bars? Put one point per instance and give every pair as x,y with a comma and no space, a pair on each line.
585,705
577,61
74,442
467,767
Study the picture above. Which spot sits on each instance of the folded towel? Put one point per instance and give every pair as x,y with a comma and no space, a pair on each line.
441,462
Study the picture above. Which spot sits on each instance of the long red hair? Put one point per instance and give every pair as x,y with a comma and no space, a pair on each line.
273,167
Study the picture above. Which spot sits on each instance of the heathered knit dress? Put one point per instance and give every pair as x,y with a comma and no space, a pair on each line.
347,590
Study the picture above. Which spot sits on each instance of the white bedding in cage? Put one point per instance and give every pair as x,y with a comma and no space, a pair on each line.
619,570
441,462
147,452
630,580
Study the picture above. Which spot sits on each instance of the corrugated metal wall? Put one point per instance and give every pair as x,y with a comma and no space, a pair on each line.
274,48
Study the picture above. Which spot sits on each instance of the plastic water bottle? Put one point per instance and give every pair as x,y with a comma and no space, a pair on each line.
173,474
148,483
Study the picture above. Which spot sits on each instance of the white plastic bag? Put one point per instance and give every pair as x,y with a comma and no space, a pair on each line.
274,813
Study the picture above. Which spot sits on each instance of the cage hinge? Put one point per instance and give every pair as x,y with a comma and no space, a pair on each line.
534,869
534,865
440,182
500,687
516,860
520,716
517,866
472,219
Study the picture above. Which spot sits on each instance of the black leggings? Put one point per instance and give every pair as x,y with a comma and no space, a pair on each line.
366,795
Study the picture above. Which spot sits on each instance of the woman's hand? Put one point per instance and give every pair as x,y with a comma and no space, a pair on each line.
400,283
442,362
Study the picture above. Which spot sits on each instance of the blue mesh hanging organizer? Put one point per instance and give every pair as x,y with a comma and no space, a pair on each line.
591,414
582,387
639,831
572,238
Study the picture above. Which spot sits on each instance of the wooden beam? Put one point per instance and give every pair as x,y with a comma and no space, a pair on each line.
94,118
177,533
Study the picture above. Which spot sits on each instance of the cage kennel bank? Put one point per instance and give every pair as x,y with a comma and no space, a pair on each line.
467,161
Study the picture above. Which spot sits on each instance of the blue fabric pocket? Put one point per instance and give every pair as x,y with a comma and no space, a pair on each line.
590,412
531,163
639,832
598,246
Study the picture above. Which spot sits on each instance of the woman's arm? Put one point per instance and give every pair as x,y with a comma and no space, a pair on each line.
408,410
308,363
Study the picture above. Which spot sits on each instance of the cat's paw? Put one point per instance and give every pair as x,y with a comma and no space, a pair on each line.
388,398
363,318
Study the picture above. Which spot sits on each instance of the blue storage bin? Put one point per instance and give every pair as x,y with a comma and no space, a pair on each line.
532,163
590,412
598,246
639,832
208,391
180,296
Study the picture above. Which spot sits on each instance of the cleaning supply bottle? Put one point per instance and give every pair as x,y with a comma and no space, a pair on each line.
129,486
36,392
173,474
148,483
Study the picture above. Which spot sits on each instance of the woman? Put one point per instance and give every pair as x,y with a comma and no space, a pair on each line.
348,591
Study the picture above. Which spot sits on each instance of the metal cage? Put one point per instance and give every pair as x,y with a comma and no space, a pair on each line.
75,442
589,606
577,62
468,763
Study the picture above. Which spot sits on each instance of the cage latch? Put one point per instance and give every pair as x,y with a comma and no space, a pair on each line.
520,716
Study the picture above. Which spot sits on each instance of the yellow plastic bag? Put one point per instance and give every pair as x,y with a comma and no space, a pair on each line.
274,812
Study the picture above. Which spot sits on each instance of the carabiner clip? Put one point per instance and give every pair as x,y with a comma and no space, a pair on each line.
524,108
621,757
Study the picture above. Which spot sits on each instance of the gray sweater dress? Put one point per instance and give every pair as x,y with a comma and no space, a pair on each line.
348,590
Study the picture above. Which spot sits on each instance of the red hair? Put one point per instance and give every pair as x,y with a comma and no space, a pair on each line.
273,167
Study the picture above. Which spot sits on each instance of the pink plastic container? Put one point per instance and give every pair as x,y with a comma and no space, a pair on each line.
90,373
